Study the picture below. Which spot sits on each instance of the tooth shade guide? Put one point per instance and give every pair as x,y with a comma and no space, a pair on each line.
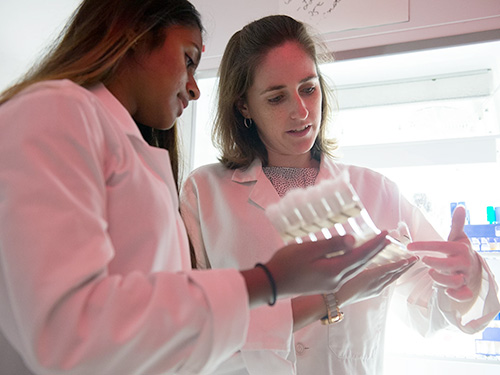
328,209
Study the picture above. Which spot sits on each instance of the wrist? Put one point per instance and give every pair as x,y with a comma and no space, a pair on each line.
259,289
272,283
333,313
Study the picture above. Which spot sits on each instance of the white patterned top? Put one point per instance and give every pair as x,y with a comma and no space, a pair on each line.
287,178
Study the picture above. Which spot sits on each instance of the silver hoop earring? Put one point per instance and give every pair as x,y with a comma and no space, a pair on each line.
247,122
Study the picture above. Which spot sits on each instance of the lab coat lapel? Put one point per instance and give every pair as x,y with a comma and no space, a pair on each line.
263,192
328,169
157,160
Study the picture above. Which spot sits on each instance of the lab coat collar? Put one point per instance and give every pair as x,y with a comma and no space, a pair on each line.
263,192
328,169
120,113
157,159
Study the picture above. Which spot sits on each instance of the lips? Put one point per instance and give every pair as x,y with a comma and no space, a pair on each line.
300,131
184,104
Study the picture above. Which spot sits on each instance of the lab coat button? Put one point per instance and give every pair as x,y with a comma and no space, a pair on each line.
299,348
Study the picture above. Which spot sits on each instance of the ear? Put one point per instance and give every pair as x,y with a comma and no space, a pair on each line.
243,108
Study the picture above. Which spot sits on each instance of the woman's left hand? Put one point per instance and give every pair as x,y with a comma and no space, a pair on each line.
454,265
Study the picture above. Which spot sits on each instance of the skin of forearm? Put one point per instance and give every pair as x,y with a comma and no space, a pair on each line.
307,310
258,286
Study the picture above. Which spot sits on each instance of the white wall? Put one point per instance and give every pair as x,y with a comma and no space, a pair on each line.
27,26
428,19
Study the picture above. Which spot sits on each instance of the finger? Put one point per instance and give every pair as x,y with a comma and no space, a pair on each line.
429,246
391,276
457,224
441,248
358,257
396,274
455,281
370,248
445,266
374,245
461,295
403,268
394,267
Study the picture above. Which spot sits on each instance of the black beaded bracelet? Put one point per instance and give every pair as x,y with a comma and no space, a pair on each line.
271,281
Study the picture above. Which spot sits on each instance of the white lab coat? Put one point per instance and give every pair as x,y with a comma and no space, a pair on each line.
224,214
88,223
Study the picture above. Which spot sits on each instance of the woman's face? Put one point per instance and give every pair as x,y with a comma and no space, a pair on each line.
284,102
158,85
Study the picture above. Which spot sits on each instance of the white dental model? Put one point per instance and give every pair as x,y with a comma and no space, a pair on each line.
329,208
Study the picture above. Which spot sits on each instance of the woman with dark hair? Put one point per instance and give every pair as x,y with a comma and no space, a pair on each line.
270,128
95,273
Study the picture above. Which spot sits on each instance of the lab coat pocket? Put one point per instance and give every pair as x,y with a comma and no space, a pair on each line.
360,334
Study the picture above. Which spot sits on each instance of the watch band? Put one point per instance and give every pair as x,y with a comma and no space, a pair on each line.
334,315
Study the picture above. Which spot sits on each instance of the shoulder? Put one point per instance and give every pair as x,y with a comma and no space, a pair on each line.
206,177
365,174
48,103
365,179
58,91
210,172
52,111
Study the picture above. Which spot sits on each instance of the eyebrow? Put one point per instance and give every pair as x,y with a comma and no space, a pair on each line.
279,87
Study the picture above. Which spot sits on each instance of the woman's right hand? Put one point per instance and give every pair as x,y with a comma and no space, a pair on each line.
372,281
306,269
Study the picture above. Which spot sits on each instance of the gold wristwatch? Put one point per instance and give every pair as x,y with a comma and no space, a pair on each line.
334,315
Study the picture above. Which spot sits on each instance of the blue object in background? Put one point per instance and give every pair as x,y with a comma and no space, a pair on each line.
491,215
491,334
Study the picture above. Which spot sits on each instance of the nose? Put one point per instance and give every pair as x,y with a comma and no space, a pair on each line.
299,110
192,89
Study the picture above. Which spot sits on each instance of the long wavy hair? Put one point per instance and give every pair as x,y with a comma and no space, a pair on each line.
239,145
96,39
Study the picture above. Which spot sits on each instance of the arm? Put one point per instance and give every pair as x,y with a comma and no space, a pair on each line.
367,284
305,269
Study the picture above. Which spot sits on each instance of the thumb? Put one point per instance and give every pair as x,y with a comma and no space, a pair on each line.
457,224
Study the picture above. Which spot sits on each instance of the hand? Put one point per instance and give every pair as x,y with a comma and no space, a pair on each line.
372,281
459,271
305,268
